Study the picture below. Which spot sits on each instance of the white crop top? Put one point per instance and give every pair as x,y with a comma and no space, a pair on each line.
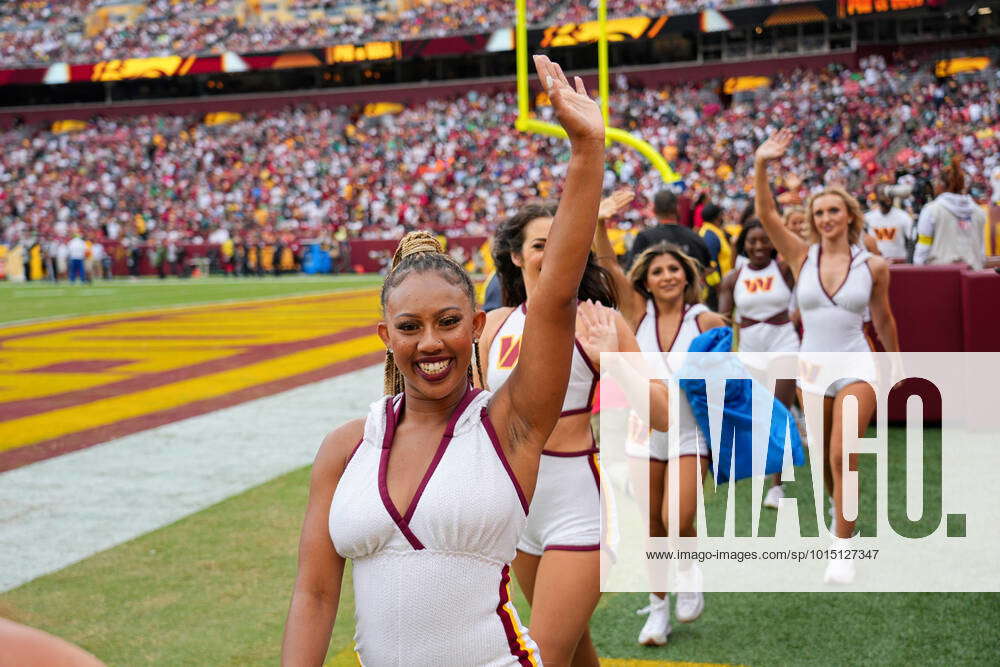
504,352
761,294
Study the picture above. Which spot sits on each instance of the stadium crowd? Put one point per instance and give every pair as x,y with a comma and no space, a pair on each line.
36,32
454,166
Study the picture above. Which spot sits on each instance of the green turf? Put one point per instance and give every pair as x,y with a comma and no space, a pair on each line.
211,589
42,300
214,588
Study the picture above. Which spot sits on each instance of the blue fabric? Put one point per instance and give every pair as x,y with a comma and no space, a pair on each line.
737,420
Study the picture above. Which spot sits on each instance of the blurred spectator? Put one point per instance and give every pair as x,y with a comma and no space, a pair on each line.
891,226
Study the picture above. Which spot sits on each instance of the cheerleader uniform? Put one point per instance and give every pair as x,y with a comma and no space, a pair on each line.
690,440
431,581
834,323
566,510
762,299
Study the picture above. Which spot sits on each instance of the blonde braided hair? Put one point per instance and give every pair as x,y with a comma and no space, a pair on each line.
420,252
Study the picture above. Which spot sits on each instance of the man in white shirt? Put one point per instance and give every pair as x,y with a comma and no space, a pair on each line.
891,226
77,248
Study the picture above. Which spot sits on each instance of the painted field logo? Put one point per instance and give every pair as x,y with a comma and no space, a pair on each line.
759,284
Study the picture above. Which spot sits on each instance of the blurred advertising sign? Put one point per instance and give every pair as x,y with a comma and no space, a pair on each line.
854,7
349,53
953,66
141,68
739,84
619,30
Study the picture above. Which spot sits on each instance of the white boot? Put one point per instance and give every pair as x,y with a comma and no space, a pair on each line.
657,627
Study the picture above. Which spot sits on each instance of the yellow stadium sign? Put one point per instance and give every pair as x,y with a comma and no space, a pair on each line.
855,7
222,117
64,126
349,53
142,68
955,66
737,84
571,34
382,108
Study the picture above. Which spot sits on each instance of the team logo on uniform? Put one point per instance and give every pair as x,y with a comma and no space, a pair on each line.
885,233
759,284
510,349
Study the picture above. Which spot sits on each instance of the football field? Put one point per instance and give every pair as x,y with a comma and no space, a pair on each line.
154,447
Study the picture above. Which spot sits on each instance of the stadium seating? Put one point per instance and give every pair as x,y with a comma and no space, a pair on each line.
457,166
41,32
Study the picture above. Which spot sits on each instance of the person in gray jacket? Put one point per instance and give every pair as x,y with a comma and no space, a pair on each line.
950,228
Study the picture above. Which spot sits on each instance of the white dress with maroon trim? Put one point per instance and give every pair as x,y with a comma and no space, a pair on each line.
566,507
431,582
690,440
834,323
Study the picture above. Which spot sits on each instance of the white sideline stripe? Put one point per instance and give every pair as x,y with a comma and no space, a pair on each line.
59,511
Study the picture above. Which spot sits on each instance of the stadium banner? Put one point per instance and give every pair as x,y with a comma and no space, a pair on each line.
847,8
921,494
455,45
568,34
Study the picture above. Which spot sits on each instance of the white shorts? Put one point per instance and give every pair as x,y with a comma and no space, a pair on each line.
690,440
827,375
661,449
565,512
764,337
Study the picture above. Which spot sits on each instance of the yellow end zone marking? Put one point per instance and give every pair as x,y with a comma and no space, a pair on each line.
149,348
27,430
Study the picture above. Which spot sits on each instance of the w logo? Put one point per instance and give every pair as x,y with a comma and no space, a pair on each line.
759,284
510,349
885,233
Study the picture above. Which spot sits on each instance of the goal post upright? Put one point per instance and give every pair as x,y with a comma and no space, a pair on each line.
525,123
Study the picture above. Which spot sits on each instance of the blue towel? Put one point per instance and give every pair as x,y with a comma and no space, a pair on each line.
737,420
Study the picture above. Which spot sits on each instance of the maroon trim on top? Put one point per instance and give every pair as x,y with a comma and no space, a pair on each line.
656,324
524,308
492,432
449,433
354,451
581,452
573,547
680,325
507,621
586,359
392,419
867,266
595,470
595,376
383,467
503,323
819,275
